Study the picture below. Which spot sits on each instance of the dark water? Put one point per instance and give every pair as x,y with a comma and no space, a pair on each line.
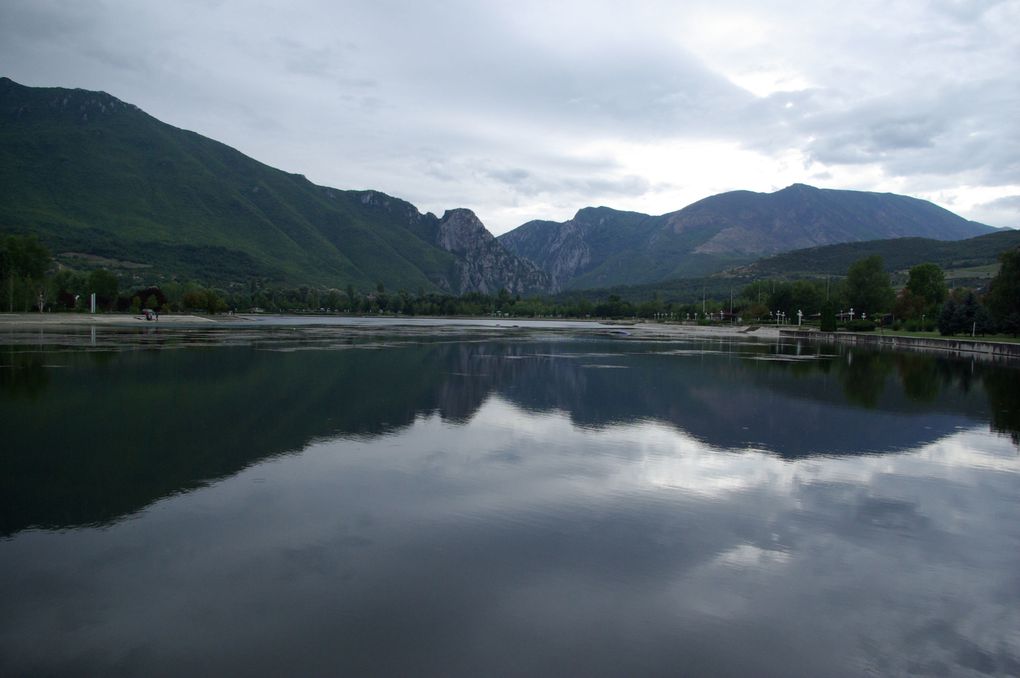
328,503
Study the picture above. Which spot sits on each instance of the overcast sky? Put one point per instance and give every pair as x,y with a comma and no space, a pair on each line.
531,110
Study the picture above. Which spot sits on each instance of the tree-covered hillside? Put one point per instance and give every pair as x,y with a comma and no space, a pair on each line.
899,254
92,175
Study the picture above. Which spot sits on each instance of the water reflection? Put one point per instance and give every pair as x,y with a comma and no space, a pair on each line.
92,436
22,375
516,542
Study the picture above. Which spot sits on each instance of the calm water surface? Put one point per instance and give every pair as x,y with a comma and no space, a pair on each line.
328,501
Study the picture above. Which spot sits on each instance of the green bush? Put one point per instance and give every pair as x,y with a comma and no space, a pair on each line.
860,326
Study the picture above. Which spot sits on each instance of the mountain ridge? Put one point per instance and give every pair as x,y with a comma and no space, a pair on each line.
93,175
89,173
721,231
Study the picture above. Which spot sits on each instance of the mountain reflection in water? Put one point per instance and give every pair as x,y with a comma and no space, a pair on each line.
92,436
534,504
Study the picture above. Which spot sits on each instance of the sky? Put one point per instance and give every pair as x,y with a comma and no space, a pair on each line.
532,110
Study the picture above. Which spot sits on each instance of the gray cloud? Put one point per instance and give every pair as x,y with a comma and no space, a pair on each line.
500,108
527,183
1011,202
1000,211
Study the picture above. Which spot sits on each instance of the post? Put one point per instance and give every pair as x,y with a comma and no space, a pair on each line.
93,303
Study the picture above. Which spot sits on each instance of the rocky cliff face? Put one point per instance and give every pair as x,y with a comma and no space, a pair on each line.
561,250
482,264
569,250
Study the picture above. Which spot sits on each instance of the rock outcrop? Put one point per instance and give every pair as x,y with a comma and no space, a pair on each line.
482,263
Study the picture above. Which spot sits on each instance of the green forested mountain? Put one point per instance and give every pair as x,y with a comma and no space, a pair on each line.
971,262
897,253
94,176
601,247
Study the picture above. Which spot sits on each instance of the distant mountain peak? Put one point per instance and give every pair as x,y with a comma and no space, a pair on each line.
799,187
601,247
461,214
459,228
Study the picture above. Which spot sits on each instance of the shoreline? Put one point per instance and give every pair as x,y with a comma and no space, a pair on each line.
635,329
993,350
79,319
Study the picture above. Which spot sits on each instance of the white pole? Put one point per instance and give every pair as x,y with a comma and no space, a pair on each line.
93,302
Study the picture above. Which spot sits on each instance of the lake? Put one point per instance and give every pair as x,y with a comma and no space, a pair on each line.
466,501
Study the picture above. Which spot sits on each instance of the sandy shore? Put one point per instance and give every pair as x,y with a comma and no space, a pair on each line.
676,331
644,330
124,319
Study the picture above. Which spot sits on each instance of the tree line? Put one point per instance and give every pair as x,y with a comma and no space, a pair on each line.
862,300
865,298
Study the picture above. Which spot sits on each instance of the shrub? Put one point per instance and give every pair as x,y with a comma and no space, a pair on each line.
861,326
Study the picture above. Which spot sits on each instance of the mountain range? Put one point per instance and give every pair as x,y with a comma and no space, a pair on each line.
94,176
99,181
602,247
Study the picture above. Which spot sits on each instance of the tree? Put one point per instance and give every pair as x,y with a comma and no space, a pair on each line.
963,313
928,282
68,287
23,256
23,263
152,297
502,299
868,287
828,318
948,318
1004,293
351,299
105,286
199,298
807,296
910,306
332,299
